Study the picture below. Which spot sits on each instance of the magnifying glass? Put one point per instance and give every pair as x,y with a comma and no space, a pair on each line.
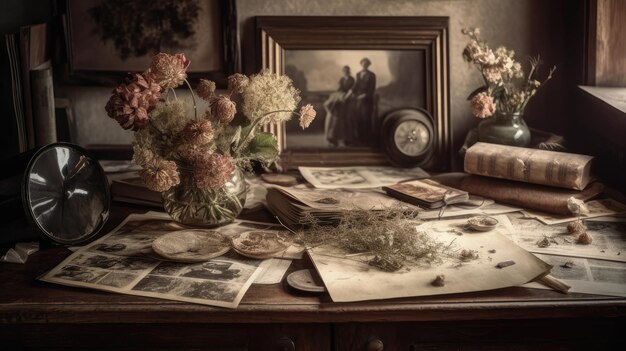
65,194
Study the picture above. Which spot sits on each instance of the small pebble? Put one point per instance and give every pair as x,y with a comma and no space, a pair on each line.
584,239
492,251
505,264
568,264
439,281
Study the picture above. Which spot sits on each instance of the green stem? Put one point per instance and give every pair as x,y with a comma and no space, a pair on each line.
255,124
193,97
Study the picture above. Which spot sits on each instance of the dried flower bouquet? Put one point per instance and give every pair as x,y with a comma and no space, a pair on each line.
506,90
201,152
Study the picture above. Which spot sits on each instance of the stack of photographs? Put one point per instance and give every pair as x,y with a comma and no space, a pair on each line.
295,207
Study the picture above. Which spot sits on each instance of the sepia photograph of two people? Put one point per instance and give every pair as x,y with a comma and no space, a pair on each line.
352,91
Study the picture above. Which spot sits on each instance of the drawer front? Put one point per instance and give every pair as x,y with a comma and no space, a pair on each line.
536,335
175,336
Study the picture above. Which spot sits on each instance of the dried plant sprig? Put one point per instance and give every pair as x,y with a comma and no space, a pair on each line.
387,239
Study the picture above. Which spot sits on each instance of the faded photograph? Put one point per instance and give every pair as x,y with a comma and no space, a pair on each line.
205,290
352,90
220,270
113,262
135,237
338,176
80,274
118,279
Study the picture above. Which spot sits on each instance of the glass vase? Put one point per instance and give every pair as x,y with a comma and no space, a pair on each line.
506,129
210,208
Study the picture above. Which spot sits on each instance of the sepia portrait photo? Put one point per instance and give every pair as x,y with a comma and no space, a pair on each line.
352,90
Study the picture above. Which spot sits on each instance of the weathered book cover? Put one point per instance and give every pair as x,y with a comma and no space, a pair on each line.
132,190
426,193
43,105
559,169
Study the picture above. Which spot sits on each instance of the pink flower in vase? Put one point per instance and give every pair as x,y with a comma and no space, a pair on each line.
212,170
483,105
132,102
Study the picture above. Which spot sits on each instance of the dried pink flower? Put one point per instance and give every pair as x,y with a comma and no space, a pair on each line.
483,105
160,175
223,109
307,115
206,89
212,170
132,102
197,133
237,83
169,71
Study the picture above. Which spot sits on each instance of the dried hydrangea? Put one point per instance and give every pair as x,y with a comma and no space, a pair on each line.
267,93
132,102
483,105
197,133
223,109
170,117
212,171
142,156
169,71
206,89
160,175
307,115
237,83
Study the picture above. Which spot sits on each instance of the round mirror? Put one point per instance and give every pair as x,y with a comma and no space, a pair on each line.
66,193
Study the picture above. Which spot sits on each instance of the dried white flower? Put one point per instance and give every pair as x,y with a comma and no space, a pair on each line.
266,93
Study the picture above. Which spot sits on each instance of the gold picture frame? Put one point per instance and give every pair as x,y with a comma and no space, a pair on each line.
296,41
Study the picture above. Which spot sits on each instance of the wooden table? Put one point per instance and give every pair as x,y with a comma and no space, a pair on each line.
35,314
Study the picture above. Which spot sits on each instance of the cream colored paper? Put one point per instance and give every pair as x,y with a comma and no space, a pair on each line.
587,276
350,279
609,238
274,272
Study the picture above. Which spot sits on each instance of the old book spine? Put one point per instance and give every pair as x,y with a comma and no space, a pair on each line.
43,106
534,166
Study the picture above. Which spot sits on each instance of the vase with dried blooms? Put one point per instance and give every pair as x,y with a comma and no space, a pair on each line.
196,160
506,91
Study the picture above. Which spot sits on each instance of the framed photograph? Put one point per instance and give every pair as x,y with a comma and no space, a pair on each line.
355,71
105,39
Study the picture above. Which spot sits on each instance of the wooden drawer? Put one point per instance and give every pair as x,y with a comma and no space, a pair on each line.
536,335
175,336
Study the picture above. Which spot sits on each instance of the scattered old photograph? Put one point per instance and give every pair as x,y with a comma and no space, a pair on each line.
358,177
80,274
120,262
352,90
608,239
586,275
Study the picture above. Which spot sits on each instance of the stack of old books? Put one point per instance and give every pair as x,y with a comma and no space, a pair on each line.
531,178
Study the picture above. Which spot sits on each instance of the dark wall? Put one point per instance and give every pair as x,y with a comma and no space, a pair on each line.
16,13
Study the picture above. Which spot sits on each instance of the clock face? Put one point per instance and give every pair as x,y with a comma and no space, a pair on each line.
411,138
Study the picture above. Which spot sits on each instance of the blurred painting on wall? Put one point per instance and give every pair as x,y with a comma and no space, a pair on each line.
106,37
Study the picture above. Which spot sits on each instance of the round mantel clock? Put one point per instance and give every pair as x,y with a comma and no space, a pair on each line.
408,137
